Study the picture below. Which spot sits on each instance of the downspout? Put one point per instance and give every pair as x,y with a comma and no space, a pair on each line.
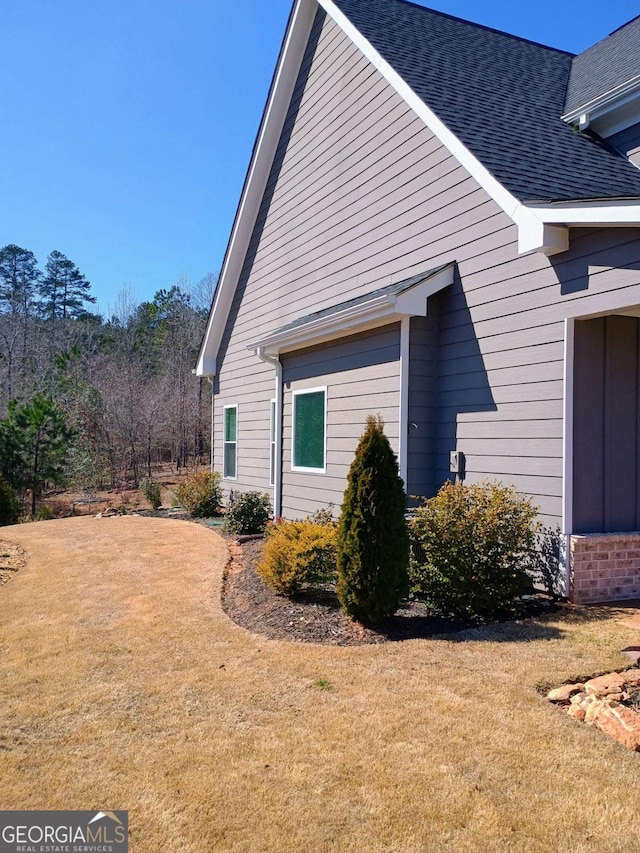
213,396
403,438
277,474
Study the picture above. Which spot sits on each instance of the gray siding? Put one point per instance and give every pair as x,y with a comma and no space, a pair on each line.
606,417
362,377
360,195
628,142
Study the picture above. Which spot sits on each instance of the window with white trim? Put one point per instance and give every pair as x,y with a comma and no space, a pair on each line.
309,444
272,444
230,443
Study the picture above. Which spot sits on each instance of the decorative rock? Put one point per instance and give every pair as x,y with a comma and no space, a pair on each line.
631,676
592,708
564,693
576,712
613,682
622,724
598,703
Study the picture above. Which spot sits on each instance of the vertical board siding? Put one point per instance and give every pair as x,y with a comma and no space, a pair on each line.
362,377
606,414
360,195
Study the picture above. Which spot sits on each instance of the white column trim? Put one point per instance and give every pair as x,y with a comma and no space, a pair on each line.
567,448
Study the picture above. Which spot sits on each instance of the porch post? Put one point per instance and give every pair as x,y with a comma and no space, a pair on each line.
567,452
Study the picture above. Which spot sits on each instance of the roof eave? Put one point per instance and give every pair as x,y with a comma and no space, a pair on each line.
611,111
371,313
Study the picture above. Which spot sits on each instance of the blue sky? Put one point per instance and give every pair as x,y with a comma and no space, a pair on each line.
127,125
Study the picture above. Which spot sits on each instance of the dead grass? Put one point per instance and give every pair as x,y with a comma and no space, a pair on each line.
124,686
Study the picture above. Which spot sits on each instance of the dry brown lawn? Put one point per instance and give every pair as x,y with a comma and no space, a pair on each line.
124,686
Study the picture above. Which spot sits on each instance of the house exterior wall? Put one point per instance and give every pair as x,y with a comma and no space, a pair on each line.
361,194
362,376
605,567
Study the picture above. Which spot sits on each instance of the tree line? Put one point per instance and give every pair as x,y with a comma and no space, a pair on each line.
90,400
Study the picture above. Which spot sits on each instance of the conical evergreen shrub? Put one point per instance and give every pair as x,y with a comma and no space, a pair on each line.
373,541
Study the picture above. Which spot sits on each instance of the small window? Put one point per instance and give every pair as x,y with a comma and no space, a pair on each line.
309,430
230,442
272,445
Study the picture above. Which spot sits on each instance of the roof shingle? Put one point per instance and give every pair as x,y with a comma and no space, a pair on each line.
501,95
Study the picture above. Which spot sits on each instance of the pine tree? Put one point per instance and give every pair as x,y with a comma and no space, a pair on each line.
19,276
64,289
373,541
34,440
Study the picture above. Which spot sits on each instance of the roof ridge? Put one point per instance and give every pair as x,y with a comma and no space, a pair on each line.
490,29
621,27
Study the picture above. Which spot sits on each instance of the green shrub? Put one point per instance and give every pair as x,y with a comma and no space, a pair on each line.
247,512
151,491
373,542
299,553
200,494
471,546
9,504
45,513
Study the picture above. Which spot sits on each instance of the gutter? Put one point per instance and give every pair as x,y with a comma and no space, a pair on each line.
277,474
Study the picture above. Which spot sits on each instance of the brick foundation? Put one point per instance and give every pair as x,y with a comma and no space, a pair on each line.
605,567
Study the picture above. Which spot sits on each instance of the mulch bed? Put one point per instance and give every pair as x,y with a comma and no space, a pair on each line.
315,616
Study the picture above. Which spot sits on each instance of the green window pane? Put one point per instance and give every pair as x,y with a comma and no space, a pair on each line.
230,459
308,449
230,422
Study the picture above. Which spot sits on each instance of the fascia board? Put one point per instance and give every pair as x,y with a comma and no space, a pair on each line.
603,214
605,102
284,80
351,320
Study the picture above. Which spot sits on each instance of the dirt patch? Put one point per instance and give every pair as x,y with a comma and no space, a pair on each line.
314,616
12,559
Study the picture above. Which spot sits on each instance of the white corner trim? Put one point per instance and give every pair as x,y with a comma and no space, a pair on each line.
567,451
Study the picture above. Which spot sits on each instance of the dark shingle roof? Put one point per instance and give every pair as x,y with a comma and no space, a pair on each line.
609,63
501,95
